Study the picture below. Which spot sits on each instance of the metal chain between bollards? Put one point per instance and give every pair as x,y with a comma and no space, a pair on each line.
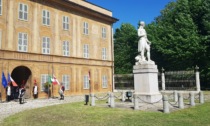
188,98
102,98
170,95
173,104
149,102
118,97
197,96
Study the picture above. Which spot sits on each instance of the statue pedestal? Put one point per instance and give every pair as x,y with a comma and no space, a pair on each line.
146,82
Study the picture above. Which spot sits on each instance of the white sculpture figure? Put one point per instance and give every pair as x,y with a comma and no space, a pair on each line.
143,45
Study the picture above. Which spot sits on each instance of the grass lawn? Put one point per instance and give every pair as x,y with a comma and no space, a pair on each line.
77,114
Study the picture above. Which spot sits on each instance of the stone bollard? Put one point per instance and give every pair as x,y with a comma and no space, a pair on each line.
165,104
192,99
123,96
136,102
132,98
181,103
163,80
112,104
109,97
92,99
201,97
175,96
197,78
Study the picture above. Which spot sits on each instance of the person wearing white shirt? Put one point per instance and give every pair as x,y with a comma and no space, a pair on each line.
9,92
35,91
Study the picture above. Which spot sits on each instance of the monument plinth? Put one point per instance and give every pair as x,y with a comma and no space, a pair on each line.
146,82
145,71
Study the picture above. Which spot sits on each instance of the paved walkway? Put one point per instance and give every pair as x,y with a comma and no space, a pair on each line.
12,107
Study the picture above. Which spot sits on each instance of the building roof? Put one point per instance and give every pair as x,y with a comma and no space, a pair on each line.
90,10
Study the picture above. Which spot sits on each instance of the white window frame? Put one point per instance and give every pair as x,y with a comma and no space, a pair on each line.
85,28
66,81
65,23
66,48
86,84
103,32
46,17
44,79
22,42
45,45
104,54
104,81
24,12
1,7
86,51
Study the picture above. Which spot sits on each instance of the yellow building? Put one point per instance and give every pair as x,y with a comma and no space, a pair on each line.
67,38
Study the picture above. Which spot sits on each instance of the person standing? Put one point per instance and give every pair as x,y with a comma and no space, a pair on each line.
61,91
9,92
22,91
35,90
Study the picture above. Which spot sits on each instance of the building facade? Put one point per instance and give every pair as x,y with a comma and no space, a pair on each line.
68,39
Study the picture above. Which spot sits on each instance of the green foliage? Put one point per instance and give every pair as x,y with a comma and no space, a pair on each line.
181,36
125,48
47,85
180,39
177,36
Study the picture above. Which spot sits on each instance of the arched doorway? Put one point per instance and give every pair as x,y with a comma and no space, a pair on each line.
22,76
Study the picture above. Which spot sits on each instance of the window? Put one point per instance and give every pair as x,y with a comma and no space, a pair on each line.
65,23
66,48
66,82
86,82
104,81
44,79
104,56
0,7
46,17
22,42
86,51
103,32
46,45
85,28
23,11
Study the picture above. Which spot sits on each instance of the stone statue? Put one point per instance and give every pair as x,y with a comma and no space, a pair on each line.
143,46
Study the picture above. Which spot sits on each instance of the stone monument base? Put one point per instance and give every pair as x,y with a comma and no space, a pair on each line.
146,82
149,98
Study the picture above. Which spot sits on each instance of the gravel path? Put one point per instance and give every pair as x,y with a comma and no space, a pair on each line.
12,107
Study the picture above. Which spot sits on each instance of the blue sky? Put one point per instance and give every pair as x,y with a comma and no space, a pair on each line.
132,11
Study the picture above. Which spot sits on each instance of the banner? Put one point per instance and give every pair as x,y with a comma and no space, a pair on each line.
4,80
55,80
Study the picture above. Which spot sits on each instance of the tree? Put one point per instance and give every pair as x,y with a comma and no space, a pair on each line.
181,36
180,39
176,36
125,48
200,11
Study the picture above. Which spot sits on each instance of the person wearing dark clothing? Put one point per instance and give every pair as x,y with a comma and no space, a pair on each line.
61,92
21,94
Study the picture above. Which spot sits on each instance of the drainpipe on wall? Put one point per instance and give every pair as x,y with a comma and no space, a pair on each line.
112,44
